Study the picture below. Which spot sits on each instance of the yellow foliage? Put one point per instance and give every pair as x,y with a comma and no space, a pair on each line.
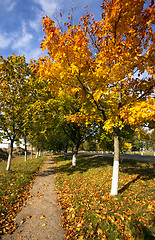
127,145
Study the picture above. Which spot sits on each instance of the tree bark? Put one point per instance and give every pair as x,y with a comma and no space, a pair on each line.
75,152
37,154
10,156
115,177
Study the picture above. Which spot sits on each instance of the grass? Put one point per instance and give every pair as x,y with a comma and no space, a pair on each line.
139,153
14,186
89,212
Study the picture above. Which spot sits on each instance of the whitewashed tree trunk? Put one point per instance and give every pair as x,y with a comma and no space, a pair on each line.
74,158
115,177
37,154
10,156
9,162
25,156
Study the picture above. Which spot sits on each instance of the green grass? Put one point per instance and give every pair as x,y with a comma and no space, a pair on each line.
14,186
139,153
89,212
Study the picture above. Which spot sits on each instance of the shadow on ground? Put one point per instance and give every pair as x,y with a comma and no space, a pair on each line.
143,170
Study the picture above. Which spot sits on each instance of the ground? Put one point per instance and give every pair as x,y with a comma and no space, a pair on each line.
40,216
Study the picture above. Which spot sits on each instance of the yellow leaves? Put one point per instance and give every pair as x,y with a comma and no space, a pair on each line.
75,69
139,112
42,217
44,224
112,122
150,207
99,231
97,94
80,238
127,145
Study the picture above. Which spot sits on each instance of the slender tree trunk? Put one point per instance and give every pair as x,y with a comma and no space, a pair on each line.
74,158
37,154
115,177
10,156
25,148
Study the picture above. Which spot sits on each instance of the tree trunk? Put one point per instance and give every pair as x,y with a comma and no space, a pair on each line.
10,156
115,177
25,148
37,154
74,158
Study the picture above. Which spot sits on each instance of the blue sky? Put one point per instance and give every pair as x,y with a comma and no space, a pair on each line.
21,22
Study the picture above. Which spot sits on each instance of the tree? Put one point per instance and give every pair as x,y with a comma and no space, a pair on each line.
98,62
57,111
14,72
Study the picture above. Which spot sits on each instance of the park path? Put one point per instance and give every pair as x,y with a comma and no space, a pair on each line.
40,218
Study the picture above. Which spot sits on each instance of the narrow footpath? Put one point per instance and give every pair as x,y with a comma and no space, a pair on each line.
40,218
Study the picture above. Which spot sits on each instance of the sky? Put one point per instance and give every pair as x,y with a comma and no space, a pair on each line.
21,30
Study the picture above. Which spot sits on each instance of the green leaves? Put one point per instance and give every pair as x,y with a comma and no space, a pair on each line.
14,72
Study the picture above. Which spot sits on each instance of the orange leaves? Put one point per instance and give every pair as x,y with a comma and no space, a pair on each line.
97,60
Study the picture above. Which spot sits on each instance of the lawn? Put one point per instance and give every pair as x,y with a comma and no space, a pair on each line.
89,212
14,186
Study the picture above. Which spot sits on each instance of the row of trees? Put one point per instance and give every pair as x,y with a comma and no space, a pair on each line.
92,79
96,62
29,111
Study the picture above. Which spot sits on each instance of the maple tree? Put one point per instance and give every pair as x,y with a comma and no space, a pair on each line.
14,72
99,61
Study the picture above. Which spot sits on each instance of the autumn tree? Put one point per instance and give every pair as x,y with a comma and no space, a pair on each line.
59,110
109,64
14,72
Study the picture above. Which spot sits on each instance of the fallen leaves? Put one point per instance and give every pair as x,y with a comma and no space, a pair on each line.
89,212
14,190
42,217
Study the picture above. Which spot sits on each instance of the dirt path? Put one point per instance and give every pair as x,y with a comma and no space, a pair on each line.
40,219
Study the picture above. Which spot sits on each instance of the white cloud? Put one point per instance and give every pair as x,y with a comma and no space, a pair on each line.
36,53
5,40
8,5
48,6
11,6
36,24
33,53
22,40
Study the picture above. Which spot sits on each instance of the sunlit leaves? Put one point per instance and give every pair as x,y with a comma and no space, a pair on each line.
14,94
98,60
88,210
